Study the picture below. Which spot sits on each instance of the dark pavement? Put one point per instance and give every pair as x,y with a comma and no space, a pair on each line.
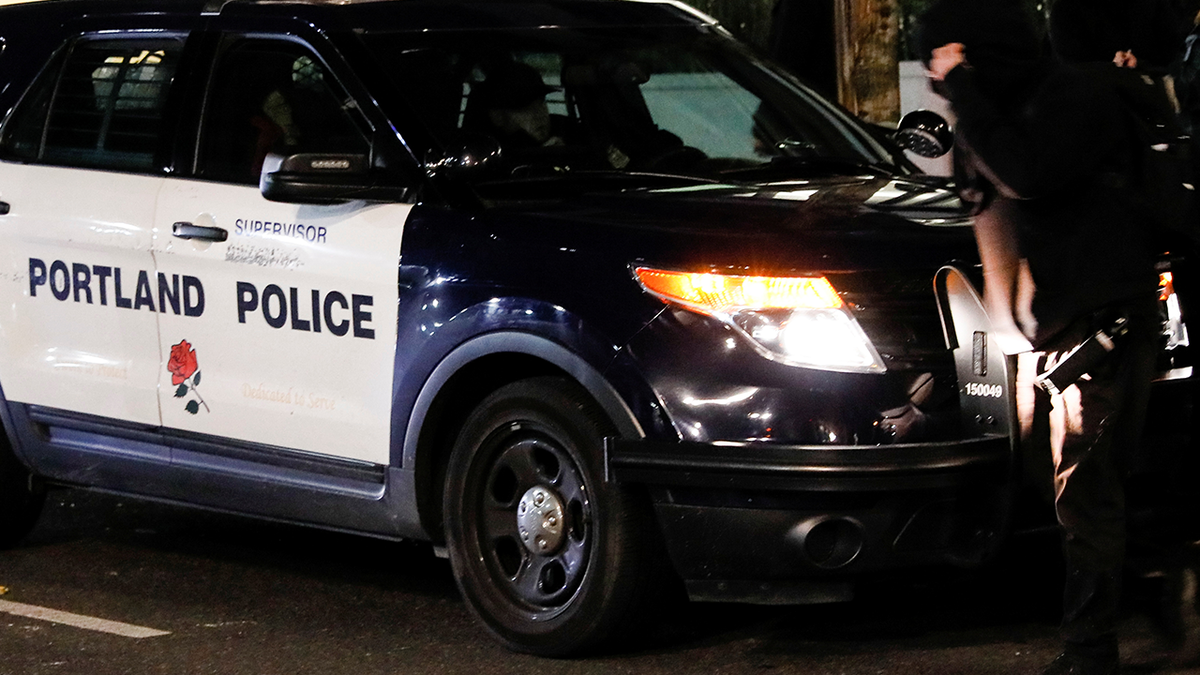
244,597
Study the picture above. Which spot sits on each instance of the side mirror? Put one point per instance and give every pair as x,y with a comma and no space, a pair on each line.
322,178
471,154
924,133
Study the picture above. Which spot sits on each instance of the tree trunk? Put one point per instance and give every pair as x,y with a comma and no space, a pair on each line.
868,69
866,33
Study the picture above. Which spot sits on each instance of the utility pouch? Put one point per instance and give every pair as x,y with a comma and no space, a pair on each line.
1083,357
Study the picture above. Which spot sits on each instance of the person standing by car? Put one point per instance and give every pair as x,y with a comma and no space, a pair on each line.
1185,72
1049,139
1148,37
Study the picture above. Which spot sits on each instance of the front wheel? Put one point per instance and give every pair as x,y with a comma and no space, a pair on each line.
551,558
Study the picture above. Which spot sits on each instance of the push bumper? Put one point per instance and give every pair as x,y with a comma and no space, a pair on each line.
775,523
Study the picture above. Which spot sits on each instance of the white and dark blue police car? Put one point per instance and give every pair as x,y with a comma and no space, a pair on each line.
583,292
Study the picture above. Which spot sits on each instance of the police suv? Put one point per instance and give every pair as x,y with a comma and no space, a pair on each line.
583,292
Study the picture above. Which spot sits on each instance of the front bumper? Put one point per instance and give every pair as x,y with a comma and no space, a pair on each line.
773,523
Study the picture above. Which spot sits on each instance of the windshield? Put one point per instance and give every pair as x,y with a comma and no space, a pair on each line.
684,102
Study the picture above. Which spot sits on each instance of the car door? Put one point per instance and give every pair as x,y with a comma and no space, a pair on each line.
295,342
79,179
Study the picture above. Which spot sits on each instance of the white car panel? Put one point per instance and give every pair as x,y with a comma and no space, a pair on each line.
296,344
78,291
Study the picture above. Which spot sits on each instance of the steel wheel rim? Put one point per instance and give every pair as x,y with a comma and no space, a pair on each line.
519,462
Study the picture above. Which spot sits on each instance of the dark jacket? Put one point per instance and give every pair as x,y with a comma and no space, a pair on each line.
1054,137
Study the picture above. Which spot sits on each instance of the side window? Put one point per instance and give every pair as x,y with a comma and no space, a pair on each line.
273,96
101,108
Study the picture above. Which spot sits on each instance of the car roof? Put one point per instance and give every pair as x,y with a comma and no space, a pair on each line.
535,12
81,7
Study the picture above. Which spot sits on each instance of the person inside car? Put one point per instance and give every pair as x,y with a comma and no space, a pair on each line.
514,98
517,113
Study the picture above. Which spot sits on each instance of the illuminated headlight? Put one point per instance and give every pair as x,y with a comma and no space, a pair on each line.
1173,327
798,320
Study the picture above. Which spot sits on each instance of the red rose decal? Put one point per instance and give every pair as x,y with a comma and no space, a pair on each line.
183,367
182,363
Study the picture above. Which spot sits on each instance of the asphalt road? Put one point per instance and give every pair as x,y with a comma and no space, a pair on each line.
220,594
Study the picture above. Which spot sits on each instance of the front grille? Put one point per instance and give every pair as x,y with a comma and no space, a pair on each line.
898,311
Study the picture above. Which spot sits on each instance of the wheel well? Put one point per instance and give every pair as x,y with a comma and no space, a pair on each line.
450,408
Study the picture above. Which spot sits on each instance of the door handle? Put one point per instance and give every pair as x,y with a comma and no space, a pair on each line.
4,208
185,230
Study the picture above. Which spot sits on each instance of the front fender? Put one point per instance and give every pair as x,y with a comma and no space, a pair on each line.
515,342
442,350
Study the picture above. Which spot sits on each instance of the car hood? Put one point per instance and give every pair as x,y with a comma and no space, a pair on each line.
842,223
927,200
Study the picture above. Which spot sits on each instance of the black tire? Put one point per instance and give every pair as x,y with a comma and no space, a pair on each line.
535,447
20,502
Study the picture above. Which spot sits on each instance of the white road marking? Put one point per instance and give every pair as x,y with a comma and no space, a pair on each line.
79,620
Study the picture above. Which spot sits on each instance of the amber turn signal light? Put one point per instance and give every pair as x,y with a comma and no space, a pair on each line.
710,293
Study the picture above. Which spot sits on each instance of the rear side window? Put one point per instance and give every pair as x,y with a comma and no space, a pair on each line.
270,96
100,107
